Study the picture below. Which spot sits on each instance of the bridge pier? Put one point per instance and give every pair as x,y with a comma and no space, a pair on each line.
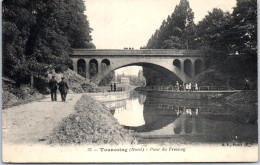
192,68
87,68
182,65
99,66
75,65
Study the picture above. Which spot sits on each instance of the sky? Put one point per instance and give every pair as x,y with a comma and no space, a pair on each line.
130,23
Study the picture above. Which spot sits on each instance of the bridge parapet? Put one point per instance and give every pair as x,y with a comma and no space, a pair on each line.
133,52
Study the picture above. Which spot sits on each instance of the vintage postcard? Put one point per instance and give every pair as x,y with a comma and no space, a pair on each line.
129,81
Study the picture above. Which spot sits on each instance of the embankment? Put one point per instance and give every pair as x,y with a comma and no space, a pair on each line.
110,96
91,123
14,96
243,98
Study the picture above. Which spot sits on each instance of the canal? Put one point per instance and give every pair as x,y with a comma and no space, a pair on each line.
162,120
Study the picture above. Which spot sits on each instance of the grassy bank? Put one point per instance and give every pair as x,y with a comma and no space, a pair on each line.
91,123
14,96
243,98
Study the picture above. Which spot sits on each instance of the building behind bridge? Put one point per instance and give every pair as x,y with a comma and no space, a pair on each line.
125,81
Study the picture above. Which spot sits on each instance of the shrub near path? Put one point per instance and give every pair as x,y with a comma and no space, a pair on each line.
91,123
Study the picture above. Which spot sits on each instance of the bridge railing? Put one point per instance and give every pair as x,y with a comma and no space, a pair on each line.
200,88
106,89
215,88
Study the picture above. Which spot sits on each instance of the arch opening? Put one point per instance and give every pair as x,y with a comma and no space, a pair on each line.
177,63
162,70
105,63
198,67
177,130
93,67
198,126
187,67
188,126
81,64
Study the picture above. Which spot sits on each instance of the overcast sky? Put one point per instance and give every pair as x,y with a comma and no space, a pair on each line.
130,23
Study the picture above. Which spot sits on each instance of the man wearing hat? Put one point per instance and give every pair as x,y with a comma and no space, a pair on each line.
53,87
63,88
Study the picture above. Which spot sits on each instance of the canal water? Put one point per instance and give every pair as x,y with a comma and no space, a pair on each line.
161,120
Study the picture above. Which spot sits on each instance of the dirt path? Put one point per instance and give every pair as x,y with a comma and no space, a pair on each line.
32,122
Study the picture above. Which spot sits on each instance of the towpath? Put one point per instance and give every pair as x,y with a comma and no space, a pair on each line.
32,122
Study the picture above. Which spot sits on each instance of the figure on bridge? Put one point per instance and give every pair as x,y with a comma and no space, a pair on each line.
114,86
53,87
196,87
63,88
177,86
111,86
246,84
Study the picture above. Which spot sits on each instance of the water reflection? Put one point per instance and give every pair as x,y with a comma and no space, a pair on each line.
204,120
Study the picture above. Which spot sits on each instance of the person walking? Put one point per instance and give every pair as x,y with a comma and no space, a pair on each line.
111,86
246,84
177,86
63,88
196,87
187,87
192,87
53,87
114,87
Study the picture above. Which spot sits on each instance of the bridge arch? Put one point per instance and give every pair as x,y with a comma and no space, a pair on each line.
187,67
81,64
93,68
177,63
177,130
105,63
166,69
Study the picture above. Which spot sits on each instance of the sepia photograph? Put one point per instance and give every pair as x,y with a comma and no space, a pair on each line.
129,81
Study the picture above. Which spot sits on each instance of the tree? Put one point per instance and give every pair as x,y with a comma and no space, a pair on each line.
17,21
244,27
78,28
38,35
243,36
230,40
177,32
182,26
213,35
108,79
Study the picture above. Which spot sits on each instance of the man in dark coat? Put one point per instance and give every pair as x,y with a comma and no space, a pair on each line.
53,87
63,88
246,84
111,86
114,86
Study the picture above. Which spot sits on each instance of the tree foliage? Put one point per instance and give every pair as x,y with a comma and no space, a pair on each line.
244,27
177,32
228,39
106,81
38,35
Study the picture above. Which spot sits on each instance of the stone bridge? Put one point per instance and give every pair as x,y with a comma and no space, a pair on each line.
95,64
